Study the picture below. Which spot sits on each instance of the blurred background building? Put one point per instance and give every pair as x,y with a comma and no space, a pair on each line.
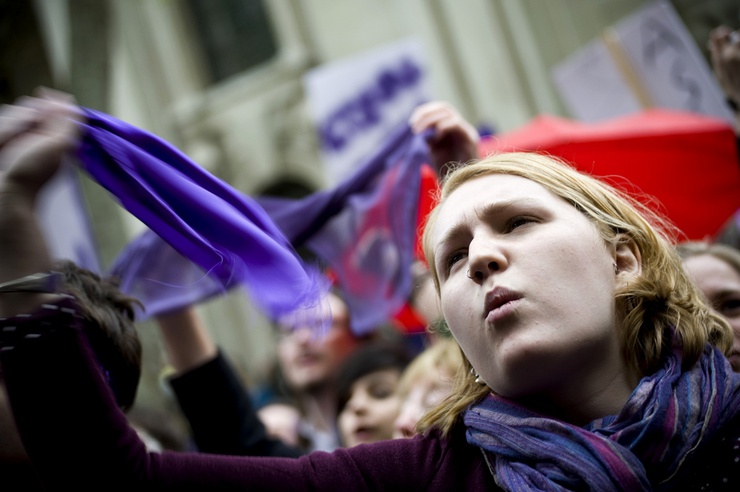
223,80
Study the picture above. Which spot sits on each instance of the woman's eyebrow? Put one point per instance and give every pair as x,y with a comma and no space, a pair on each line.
450,236
486,211
496,208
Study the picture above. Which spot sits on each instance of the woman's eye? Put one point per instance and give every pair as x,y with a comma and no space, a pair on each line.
518,221
729,307
454,258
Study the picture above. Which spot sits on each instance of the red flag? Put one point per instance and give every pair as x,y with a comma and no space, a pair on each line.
688,162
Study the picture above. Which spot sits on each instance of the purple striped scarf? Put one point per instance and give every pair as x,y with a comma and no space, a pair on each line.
662,426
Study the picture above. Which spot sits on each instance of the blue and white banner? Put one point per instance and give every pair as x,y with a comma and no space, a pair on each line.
358,101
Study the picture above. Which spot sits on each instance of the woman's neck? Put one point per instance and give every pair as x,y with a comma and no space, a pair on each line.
585,399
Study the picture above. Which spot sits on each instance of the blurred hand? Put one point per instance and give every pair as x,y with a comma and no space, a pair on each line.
35,132
724,47
455,139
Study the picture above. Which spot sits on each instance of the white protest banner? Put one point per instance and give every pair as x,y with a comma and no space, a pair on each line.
356,101
648,59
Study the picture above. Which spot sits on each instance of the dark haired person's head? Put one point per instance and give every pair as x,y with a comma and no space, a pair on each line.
367,403
115,340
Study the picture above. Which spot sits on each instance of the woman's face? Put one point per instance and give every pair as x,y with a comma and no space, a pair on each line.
310,361
371,409
538,316
720,284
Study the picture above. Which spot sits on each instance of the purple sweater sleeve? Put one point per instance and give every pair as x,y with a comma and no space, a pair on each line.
78,438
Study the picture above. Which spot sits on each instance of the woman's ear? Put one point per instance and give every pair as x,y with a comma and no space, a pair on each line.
627,258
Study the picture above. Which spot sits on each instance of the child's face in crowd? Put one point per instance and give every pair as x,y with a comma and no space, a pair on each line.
720,284
308,360
371,409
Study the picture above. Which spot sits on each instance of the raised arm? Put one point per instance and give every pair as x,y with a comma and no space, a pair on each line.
34,135
210,393
186,339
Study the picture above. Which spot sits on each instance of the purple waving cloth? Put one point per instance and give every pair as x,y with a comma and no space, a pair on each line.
364,230
225,233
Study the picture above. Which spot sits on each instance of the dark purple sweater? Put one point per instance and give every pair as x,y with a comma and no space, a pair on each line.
79,440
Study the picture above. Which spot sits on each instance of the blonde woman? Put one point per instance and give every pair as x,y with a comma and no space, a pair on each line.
592,361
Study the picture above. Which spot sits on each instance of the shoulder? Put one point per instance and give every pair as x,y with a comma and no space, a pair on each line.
716,465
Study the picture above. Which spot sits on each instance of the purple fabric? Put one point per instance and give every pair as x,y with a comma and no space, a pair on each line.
224,232
364,230
162,279
669,416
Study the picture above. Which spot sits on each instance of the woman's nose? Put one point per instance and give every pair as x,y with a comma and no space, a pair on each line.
485,256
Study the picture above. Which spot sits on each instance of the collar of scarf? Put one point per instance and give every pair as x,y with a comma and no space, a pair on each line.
666,420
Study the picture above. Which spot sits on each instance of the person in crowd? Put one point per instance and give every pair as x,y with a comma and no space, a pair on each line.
309,364
425,383
367,401
715,268
591,360
221,413
724,50
116,344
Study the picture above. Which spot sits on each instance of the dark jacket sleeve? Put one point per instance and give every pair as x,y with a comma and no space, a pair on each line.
221,415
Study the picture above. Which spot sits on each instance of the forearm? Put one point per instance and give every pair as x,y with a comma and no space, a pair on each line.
186,339
22,249
220,412
34,135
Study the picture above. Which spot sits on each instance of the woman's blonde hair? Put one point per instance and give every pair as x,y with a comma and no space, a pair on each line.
661,297
442,357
